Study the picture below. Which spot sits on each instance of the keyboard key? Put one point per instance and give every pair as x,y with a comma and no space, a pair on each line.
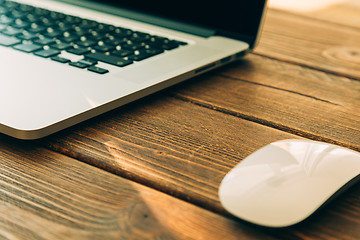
86,43
122,52
25,8
115,41
25,35
17,14
78,51
122,32
113,60
19,23
8,41
181,43
72,19
5,19
79,64
45,21
60,59
79,31
104,28
104,48
63,26
89,62
35,28
88,24
47,33
56,16
140,37
44,41
28,47
163,43
32,18
52,33
144,53
70,39
4,10
11,5
96,36
2,27
133,45
61,45
98,70
41,12
11,31
46,53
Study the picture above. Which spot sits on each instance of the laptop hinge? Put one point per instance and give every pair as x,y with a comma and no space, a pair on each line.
175,25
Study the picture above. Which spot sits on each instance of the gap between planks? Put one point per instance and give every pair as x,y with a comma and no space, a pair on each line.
263,122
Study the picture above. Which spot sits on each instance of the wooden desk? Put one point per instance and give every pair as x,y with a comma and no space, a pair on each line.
151,170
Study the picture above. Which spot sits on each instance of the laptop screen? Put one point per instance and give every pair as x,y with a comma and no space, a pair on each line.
238,19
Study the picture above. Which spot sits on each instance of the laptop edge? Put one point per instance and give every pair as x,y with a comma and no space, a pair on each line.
34,132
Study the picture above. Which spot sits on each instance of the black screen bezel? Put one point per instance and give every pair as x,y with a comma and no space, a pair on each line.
253,17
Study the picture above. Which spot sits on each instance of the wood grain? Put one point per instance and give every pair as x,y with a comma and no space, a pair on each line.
284,96
185,150
45,195
343,12
174,146
311,42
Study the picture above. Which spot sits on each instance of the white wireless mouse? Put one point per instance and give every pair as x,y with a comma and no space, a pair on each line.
286,181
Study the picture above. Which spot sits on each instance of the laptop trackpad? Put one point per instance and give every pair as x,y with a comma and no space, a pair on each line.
168,65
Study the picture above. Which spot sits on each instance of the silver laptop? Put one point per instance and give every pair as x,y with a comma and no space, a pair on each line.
63,62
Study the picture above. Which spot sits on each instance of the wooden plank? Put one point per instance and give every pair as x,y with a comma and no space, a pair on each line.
288,97
44,195
335,11
345,13
185,151
170,145
312,43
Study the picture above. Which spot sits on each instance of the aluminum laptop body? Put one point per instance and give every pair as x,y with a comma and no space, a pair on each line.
40,96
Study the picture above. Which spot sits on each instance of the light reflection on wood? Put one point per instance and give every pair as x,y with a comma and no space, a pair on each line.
303,5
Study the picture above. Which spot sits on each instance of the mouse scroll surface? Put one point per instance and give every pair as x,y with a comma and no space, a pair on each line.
284,182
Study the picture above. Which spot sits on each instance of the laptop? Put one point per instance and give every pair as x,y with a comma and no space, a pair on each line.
65,61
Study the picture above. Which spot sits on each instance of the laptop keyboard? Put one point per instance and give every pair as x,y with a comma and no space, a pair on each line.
49,34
